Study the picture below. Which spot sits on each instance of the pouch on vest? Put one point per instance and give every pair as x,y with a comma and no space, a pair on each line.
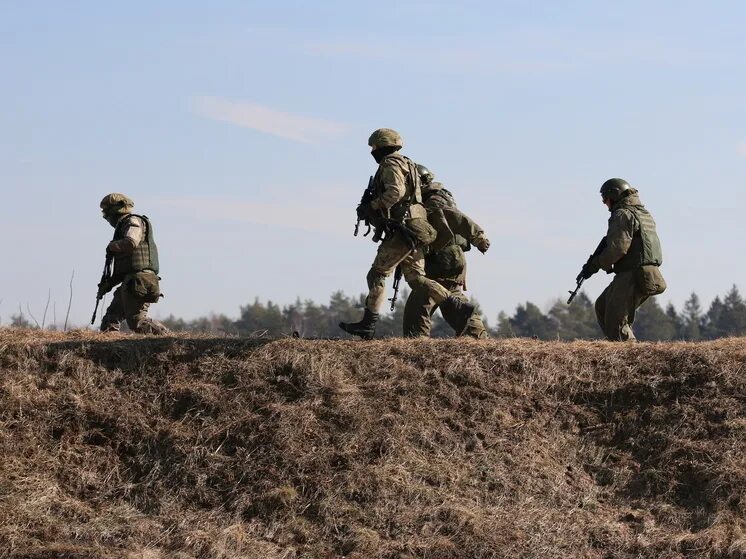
650,280
422,231
146,286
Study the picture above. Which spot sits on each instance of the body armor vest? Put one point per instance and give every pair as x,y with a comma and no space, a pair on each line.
449,263
145,255
645,249
399,212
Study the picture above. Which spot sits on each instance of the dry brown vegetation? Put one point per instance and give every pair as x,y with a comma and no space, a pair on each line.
116,446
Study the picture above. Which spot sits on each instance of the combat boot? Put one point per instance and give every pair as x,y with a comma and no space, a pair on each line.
366,328
461,312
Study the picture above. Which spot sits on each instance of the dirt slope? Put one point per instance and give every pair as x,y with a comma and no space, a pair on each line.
224,448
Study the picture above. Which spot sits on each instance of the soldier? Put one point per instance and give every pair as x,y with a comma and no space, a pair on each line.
135,256
445,261
397,210
633,253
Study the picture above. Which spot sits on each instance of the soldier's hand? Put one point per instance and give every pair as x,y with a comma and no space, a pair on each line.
103,289
586,272
482,244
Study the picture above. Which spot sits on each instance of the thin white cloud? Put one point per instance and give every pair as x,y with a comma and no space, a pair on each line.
252,115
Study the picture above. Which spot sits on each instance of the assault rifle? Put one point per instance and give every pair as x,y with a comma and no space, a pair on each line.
363,209
580,279
105,277
397,280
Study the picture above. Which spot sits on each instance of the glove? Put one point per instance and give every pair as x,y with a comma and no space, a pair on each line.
589,268
361,214
103,288
482,244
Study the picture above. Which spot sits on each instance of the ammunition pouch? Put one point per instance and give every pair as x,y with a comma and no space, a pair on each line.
145,286
650,281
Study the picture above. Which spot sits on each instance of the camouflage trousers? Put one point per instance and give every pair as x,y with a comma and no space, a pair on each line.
616,306
392,252
420,308
127,305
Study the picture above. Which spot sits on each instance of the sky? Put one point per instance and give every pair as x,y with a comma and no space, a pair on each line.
240,128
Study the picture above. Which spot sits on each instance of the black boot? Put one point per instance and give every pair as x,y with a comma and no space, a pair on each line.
461,311
365,328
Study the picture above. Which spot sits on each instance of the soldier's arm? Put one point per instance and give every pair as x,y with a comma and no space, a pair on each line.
394,187
133,234
618,239
463,225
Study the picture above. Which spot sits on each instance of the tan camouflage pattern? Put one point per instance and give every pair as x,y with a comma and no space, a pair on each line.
392,252
385,137
420,308
117,203
393,177
133,236
127,305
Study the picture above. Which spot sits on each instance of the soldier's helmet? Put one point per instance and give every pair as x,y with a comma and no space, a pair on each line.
614,189
385,137
426,176
116,204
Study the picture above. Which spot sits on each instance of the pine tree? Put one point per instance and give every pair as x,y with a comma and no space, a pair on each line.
530,321
692,319
576,321
652,323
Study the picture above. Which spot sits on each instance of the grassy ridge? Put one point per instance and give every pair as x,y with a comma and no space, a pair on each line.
183,447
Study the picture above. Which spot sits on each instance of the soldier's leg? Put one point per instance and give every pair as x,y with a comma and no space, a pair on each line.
417,314
136,314
390,253
114,314
474,326
600,307
620,307
413,269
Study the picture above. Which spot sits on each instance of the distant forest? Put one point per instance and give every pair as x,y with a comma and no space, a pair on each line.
726,316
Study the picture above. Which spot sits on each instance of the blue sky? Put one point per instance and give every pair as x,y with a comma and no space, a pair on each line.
240,128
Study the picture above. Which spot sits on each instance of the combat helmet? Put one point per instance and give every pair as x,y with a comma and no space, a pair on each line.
385,137
116,204
614,189
426,176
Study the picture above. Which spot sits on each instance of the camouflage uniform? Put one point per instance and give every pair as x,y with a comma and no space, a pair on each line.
136,268
633,254
396,209
399,198
445,263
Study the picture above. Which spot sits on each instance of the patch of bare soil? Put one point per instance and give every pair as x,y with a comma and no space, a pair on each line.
133,447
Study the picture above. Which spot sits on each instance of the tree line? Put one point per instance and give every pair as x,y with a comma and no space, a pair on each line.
726,316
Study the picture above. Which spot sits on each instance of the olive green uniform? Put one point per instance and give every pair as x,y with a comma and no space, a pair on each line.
136,269
445,262
399,200
633,253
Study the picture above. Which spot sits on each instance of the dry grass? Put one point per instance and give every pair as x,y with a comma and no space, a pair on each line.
133,447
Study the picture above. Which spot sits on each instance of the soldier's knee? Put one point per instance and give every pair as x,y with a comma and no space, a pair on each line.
375,278
416,282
